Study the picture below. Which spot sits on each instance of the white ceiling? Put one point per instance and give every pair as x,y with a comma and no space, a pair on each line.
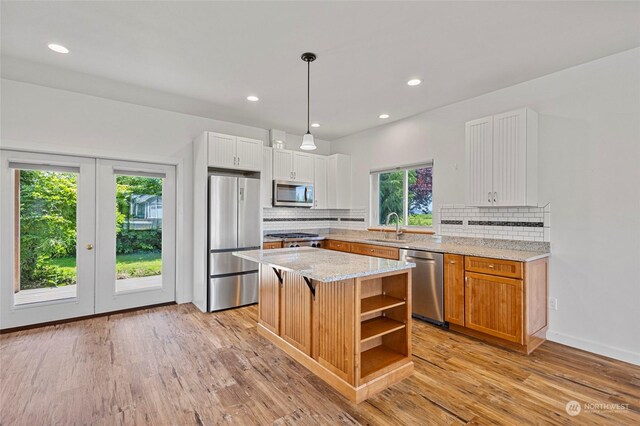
204,58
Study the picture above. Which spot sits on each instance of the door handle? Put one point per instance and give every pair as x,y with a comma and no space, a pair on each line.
495,197
489,196
89,246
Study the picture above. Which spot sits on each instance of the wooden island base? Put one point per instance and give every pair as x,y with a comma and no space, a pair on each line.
354,334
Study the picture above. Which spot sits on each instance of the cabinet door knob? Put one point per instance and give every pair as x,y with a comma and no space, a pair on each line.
490,266
89,246
495,197
489,197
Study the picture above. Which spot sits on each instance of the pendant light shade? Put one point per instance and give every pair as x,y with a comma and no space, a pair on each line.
307,140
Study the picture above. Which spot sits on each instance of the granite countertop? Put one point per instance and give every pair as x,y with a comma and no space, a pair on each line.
453,248
271,239
324,265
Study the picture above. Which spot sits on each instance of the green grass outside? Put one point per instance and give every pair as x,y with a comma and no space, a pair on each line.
127,265
420,219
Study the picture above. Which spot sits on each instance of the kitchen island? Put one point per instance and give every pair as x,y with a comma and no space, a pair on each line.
345,317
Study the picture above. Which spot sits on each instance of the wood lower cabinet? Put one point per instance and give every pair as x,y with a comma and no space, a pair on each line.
361,248
454,288
295,312
485,265
272,245
375,250
335,337
493,305
338,245
269,300
502,301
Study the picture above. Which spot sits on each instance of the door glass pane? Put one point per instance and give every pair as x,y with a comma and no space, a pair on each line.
138,232
45,236
419,191
391,195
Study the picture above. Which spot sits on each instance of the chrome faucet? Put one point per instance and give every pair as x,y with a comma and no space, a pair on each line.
398,230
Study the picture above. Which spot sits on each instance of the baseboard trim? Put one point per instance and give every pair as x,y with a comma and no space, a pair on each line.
594,347
74,319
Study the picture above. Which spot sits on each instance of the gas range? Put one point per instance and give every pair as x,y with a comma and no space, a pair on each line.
298,239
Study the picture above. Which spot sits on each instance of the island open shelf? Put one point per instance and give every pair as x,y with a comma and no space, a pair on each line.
352,332
379,303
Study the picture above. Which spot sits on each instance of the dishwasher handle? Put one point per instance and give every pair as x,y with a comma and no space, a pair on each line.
419,259
422,255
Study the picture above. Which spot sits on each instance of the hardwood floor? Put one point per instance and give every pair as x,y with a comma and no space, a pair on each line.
176,365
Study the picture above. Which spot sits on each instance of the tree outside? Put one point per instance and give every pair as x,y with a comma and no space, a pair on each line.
419,191
47,227
420,196
48,206
391,188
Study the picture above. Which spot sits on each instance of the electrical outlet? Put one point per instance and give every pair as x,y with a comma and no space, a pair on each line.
553,303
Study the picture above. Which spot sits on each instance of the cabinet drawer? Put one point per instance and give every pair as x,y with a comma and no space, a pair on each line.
485,265
373,250
272,245
338,245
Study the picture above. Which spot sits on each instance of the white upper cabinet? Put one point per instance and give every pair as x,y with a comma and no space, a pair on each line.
320,182
282,164
292,165
339,181
303,167
479,140
502,159
249,153
232,152
266,177
222,150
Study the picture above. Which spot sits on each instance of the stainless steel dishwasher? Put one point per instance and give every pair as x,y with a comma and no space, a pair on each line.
426,284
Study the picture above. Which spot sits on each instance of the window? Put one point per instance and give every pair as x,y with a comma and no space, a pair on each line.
406,191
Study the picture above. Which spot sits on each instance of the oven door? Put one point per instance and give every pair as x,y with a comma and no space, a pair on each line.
292,194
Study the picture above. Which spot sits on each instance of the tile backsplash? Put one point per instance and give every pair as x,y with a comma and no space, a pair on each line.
504,223
284,219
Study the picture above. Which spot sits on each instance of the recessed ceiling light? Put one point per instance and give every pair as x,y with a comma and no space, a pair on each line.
253,98
315,125
414,82
58,48
383,116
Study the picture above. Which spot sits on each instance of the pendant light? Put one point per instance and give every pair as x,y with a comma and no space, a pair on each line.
307,140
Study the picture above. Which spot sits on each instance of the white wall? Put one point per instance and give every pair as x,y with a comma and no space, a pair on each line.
51,120
589,169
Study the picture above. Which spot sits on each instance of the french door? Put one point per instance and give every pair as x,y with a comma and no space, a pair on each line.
81,236
135,236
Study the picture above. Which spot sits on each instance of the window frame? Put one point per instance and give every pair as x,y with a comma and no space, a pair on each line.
374,195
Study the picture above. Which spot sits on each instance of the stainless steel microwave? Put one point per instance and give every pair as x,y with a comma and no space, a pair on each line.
292,194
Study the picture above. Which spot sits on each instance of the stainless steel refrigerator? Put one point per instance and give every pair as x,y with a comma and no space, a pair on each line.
234,224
